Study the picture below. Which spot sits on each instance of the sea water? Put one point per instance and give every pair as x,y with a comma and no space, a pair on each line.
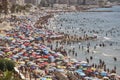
107,24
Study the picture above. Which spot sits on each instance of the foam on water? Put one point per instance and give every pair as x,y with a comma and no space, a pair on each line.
107,38
107,55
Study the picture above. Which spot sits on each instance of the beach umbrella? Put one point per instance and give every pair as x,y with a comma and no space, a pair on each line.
83,62
84,65
105,77
84,68
38,57
44,59
21,62
15,56
46,52
74,60
1,54
6,50
89,70
93,78
25,57
81,73
96,72
69,64
79,70
20,53
38,38
103,73
93,69
7,58
52,59
72,68
87,78
30,63
52,68
45,56
66,60
45,63
52,64
60,70
113,74
32,67
58,58
41,65
43,78
59,54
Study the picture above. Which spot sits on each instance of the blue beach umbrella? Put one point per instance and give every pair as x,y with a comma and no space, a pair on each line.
81,73
96,72
39,38
84,65
45,51
43,79
79,70
103,73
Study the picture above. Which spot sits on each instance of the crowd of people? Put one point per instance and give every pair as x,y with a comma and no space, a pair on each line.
29,45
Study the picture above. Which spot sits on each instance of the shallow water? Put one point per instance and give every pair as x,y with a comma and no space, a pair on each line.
107,24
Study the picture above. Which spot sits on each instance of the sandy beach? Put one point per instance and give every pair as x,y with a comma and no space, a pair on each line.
43,53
